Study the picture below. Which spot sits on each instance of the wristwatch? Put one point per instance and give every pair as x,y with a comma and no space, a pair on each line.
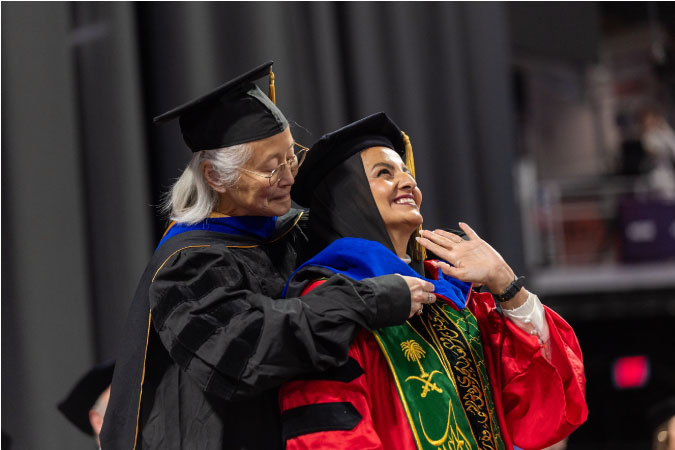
510,291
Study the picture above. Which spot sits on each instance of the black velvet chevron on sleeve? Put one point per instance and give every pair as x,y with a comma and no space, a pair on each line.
345,373
308,419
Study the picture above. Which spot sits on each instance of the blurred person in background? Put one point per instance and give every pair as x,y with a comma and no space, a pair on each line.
661,418
472,370
6,441
207,342
632,153
658,141
87,402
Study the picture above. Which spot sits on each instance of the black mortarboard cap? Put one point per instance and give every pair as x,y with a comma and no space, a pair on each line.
660,412
333,148
234,113
84,394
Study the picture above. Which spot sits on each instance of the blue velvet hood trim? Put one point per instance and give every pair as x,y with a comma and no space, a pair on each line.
260,226
361,258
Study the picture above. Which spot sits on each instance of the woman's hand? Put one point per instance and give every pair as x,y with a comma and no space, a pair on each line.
474,260
420,294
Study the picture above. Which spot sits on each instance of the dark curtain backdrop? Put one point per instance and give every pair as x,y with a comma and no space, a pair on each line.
83,167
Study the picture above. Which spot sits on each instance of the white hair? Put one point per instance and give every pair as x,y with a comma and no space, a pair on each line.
191,199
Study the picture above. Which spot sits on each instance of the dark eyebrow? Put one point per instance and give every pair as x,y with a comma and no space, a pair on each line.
390,166
385,164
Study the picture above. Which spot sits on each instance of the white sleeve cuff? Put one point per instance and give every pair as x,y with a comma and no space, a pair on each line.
530,317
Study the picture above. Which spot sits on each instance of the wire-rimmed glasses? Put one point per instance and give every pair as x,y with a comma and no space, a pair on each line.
300,151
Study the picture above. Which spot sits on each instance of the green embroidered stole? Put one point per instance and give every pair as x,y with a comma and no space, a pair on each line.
439,370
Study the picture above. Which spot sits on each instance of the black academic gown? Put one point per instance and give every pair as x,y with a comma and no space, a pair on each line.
207,344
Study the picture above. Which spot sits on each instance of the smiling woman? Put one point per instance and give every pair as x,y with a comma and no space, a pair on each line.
209,338
461,373
256,194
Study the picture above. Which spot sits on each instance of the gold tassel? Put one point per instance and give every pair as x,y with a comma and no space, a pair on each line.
409,159
272,94
419,253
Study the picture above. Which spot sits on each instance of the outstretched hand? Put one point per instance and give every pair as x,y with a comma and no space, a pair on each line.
472,261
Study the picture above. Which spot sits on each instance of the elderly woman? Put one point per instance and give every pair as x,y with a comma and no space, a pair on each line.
465,372
207,342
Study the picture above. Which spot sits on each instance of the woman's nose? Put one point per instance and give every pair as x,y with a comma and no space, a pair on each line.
286,177
406,181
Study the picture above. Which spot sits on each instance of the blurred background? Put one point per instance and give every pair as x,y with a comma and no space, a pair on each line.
543,125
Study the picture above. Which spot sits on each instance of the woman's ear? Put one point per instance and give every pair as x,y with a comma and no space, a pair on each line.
211,176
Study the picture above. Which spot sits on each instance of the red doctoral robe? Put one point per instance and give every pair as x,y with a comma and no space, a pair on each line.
539,400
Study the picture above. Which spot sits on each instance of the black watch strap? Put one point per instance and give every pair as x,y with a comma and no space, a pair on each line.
510,291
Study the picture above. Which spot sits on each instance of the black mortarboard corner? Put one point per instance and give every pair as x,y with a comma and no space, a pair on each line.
234,113
333,148
84,394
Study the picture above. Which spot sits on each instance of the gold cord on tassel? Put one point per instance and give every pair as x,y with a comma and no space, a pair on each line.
409,159
272,94
419,253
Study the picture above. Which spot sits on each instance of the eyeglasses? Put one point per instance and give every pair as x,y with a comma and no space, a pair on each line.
300,151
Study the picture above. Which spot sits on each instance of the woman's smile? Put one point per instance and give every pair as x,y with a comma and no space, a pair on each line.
405,199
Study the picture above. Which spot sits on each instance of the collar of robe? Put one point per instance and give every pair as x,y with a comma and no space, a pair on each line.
361,258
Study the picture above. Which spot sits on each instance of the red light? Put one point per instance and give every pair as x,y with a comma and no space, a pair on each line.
631,372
